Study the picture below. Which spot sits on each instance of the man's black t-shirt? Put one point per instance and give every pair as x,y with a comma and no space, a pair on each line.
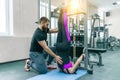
38,35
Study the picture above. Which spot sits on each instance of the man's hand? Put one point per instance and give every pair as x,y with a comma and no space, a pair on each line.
55,30
59,59
49,51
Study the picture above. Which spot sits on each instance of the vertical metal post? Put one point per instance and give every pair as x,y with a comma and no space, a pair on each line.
104,38
38,9
46,7
86,41
91,32
99,28
49,6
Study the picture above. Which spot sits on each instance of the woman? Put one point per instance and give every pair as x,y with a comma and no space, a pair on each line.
63,45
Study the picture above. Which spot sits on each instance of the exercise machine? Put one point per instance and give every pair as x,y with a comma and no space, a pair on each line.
99,34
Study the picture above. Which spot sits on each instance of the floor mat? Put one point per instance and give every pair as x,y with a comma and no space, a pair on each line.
57,75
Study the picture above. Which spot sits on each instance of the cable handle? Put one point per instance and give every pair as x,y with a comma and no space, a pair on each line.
84,50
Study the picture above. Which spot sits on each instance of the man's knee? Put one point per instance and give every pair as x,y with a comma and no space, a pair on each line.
43,72
42,69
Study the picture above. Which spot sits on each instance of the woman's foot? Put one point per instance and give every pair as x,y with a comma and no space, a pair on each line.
83,56
27,67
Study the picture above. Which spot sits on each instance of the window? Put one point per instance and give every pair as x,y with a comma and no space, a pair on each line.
44,9
5,18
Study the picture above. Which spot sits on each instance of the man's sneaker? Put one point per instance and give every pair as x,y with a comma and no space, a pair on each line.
27,67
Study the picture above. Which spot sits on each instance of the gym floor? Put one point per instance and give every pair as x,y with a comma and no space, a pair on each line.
110,70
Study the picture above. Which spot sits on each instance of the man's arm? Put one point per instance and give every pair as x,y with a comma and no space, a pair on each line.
48,50
55,30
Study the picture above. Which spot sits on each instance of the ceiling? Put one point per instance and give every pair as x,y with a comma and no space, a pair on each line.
54,2
105,4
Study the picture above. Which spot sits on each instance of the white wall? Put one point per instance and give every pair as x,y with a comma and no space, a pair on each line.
13,48
91,10
114,19
24,16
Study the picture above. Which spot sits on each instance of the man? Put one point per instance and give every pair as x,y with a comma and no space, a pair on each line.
38,44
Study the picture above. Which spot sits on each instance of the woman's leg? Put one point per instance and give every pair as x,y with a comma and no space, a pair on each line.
72,70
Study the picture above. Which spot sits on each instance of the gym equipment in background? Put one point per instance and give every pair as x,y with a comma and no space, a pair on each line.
78,32
98,38
99,33
112,43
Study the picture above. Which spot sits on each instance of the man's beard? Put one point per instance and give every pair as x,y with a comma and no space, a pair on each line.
44,29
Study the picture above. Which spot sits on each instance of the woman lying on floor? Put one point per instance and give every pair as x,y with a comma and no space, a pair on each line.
68,66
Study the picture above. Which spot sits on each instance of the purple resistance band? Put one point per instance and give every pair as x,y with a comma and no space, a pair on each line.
66,26
69,65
